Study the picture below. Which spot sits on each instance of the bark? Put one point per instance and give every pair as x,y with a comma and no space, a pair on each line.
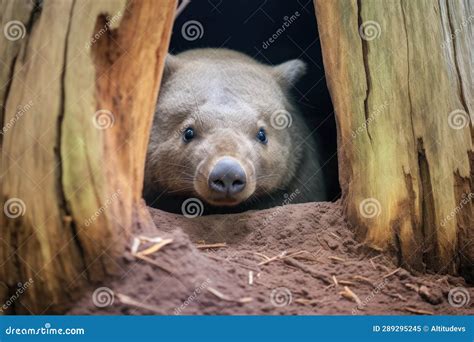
78,94
400,78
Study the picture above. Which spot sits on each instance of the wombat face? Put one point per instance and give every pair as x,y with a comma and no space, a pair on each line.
217,132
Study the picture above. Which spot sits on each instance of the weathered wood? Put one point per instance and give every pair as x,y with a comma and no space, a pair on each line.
86,74
400,77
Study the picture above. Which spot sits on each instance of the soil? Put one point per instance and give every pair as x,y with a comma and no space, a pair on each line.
300,259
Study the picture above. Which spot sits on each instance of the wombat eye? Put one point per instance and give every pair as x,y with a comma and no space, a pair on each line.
262,136
188,134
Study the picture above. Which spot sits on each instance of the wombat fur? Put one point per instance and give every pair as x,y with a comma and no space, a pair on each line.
224,100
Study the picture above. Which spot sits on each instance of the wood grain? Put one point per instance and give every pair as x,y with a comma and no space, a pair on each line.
393,94
80,176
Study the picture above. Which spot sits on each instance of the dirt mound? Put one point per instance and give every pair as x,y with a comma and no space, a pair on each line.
296,259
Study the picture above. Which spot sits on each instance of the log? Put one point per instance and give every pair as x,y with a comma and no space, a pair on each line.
79,86
400,78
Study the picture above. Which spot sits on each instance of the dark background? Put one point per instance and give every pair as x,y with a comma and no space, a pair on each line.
245,25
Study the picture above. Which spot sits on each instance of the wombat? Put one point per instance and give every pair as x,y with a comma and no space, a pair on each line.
226,132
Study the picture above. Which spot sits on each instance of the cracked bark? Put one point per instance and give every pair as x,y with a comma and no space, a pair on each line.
65,211
428,224
413,163
65,169
365,54
455,58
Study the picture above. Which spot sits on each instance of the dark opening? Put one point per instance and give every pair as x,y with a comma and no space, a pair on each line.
272,32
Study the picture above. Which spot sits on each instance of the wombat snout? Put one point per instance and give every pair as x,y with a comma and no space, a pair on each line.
227,177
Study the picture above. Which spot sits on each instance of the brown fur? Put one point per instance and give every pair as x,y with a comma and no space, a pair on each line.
226,97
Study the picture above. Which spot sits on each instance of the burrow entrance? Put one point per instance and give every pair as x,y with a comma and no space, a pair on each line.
272,33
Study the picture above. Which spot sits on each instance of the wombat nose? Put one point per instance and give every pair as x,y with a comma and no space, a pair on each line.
227,177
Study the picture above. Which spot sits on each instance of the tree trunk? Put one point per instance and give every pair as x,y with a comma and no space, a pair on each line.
400,77
79,84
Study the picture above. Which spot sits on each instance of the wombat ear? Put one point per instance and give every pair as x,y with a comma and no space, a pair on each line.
171,64
290,72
